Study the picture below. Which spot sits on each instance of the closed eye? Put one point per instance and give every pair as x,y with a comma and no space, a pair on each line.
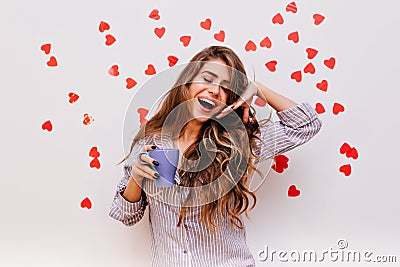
207,80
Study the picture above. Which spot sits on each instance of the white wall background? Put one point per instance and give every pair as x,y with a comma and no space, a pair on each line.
46,175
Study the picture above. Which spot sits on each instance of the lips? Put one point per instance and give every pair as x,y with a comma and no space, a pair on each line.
207,103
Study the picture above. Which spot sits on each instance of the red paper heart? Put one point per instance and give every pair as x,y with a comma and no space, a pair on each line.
280,163
142,114
73,97
296,76
206,25
318,19
154,14
291,7
130,83
86,203
220,36
309,68
46,48
185,40
323,85
266,42
293,191
110,39
52,62
271,66
95,163
330,63
172,60
87,119
159,32
345,169
337,108
94,153
47,126
294,36
352,153
150,70
319,108
104,26
277,19
311,53
344,148
114,70
250,46
259,102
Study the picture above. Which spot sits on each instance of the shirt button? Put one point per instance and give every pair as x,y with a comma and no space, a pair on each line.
185,251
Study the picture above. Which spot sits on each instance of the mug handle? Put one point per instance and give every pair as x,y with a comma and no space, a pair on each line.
140,160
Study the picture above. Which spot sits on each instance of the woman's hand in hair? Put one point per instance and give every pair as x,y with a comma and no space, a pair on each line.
244,101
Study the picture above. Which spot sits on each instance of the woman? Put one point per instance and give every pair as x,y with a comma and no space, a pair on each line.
221,141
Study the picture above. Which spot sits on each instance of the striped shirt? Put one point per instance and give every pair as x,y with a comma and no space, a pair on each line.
192,244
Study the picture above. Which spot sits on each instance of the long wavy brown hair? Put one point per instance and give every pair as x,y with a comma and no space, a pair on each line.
222,139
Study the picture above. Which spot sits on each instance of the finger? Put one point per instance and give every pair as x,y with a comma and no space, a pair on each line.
144,169
141,173
149,147
246,114
144,157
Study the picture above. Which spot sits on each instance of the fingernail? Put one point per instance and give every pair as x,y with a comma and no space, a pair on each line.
153,146
155,162
157,175
232,106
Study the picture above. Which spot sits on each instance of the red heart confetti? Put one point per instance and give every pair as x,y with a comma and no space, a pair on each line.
280,163
330,63
271,65
309,68
95,163
260,102
52,62
142,114
311,53
104,26
154,14
250,46
73,97
352,153
293,191
113,71
87,119
86,203
159,32
94,153
47,126
206,25
337,108
291,7
318,19
150,70
296,76
185,40
130,83
323,85
110,39
277,19
319,108
344,148
266,42
220,36
172,60
46,48
294,36
345,169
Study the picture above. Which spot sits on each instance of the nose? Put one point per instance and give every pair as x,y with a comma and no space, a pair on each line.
213,89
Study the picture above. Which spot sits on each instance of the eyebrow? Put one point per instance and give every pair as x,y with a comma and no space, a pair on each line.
215,75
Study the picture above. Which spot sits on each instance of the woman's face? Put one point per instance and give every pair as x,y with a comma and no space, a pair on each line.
208,91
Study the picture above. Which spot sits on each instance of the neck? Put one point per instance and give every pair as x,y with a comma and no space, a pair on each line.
191,131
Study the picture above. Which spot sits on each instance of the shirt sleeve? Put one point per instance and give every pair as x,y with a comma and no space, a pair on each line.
129,213
295,126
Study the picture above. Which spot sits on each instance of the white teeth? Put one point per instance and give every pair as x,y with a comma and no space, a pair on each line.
208,101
